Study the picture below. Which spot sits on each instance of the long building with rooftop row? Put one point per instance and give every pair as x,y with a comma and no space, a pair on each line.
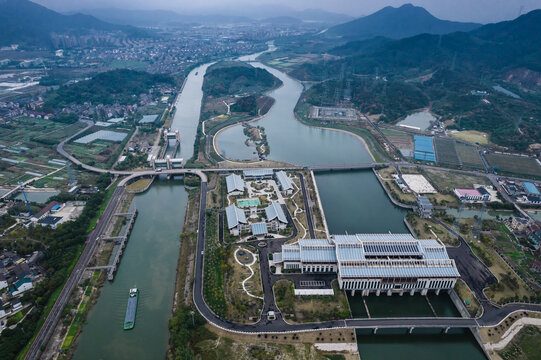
374,263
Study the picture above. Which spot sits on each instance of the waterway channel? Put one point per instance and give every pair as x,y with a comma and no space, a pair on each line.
352,201
356,203
148,263
289,140
188,107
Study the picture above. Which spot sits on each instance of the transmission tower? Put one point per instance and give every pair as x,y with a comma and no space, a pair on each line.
21,186
72,181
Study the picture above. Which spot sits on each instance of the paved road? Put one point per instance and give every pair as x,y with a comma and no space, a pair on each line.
307,207
73,280
478,277
279,325
492,314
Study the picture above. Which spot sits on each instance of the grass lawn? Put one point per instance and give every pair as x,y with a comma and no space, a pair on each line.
472,136
448,181
467,296
138,185
299,309
426,228
525,345
240,306
386,176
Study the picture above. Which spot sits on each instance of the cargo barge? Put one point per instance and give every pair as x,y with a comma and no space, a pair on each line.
131,309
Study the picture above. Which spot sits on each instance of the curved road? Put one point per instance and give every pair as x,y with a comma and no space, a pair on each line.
462,254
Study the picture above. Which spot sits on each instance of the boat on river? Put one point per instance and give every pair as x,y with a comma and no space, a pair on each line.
131,309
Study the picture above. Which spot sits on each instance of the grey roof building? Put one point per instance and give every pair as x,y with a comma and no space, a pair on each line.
234,184
284,181
259,228
236,219
275,212
424,206
258,174
374,262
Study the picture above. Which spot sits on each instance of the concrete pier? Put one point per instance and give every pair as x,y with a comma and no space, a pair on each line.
121,240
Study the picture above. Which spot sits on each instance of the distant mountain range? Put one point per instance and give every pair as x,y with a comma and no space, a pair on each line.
491,48
246,14
397,23
27,23
160,17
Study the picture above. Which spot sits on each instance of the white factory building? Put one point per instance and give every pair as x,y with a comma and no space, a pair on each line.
374,263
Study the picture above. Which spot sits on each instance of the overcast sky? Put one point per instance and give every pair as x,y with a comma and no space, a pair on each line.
460,10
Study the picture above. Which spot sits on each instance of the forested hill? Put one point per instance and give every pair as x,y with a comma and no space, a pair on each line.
27,23
397,23
117,86
440,71
236,78
492,49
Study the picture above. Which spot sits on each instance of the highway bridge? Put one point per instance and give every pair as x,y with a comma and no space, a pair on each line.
263,325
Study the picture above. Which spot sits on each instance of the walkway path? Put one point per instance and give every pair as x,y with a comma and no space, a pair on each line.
249,266
511,332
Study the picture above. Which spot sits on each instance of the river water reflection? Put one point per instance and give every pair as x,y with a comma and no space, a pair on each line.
289,140
148,263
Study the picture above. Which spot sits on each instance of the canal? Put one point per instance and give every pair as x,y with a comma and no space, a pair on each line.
148,263
352,201
355,202
187,110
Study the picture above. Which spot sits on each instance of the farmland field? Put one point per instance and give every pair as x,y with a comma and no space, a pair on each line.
27,145
445,180
472,136
446,151
404,141
96,153
469,156
515,164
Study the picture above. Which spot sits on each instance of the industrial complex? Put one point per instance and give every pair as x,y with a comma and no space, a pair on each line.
374,263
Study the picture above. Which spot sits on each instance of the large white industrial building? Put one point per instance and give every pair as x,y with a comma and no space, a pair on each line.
374,263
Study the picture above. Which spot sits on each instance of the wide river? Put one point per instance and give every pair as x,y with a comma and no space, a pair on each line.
352,201
289,140
148,263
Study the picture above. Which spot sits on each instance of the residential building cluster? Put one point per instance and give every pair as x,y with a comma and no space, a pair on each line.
523,192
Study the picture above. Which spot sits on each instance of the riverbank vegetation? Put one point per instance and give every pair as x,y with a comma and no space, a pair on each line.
215,266
116,86
61,247
299,309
